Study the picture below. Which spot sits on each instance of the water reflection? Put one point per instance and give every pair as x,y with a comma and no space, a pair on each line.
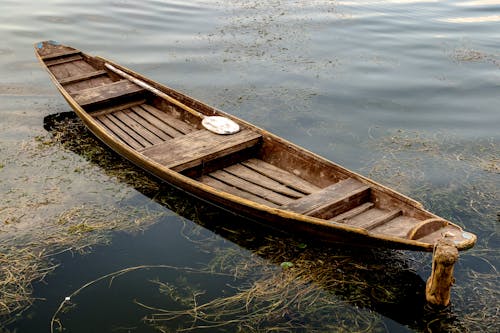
377,280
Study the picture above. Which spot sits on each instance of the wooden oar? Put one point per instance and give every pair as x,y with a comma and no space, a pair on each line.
216,124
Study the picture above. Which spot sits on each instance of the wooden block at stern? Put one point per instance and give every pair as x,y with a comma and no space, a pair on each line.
198,147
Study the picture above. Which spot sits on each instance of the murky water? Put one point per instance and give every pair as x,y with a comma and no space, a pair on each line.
404,91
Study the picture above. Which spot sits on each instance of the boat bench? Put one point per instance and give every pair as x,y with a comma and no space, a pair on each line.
332,200
199,147
106,93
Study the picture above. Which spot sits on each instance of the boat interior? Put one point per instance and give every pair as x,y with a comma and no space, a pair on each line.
251,164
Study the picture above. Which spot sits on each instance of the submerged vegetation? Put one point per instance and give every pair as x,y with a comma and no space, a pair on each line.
282,284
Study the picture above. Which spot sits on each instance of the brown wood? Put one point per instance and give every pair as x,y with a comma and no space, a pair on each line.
426,227
64,53
250,175
381,217
173,122
161,124
147,126
438,287
234,191
82,77
281,176
249,187
56,62
352,213
397,227
198,147
332,200
253,172
257,171
117,107
106,92
118,132
137,127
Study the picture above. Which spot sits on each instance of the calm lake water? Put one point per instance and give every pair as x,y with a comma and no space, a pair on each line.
403,91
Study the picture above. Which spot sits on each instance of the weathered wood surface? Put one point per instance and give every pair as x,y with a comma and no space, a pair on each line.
82,77
106,92
61,61
255,177
352,213
373,218
332,200
252,164
60,54
208,180
198,147
281,176
250,187
438,287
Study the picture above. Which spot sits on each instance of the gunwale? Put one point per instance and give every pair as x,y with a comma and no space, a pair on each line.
269,215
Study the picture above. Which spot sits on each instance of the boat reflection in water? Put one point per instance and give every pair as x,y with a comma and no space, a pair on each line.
379,280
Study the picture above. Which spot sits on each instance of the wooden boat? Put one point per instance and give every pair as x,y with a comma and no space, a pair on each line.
252,172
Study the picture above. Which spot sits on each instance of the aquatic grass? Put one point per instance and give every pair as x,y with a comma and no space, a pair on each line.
458,180
40,218
313,294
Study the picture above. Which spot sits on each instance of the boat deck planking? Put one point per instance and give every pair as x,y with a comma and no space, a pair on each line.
253,164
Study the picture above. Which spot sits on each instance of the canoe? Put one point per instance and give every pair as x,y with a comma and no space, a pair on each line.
250,172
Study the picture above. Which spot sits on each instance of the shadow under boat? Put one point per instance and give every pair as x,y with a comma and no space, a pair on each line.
376,269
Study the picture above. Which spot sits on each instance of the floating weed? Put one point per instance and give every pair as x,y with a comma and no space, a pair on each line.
327,289
45,216
467,192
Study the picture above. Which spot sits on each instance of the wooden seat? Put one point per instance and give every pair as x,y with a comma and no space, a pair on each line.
105,93
199,147
332,200
82,77
64,53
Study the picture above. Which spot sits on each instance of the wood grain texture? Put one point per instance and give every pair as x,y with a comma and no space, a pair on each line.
82,77
197,147
250,187
210,181
281,176
332,200
106,92
257,178
352,213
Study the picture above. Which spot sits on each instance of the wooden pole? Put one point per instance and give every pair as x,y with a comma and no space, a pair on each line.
438,288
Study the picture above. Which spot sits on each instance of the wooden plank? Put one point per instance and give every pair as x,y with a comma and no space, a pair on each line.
118,132
127,129
118,107
55,62
106,92
137,127
60,54
433,237
235,191
398,227
281,176
253,176
374,218
81,77
246,186
199,147
332,200
352,213
170,120
170,131
150,127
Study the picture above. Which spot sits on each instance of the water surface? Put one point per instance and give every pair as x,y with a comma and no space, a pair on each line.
404,91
